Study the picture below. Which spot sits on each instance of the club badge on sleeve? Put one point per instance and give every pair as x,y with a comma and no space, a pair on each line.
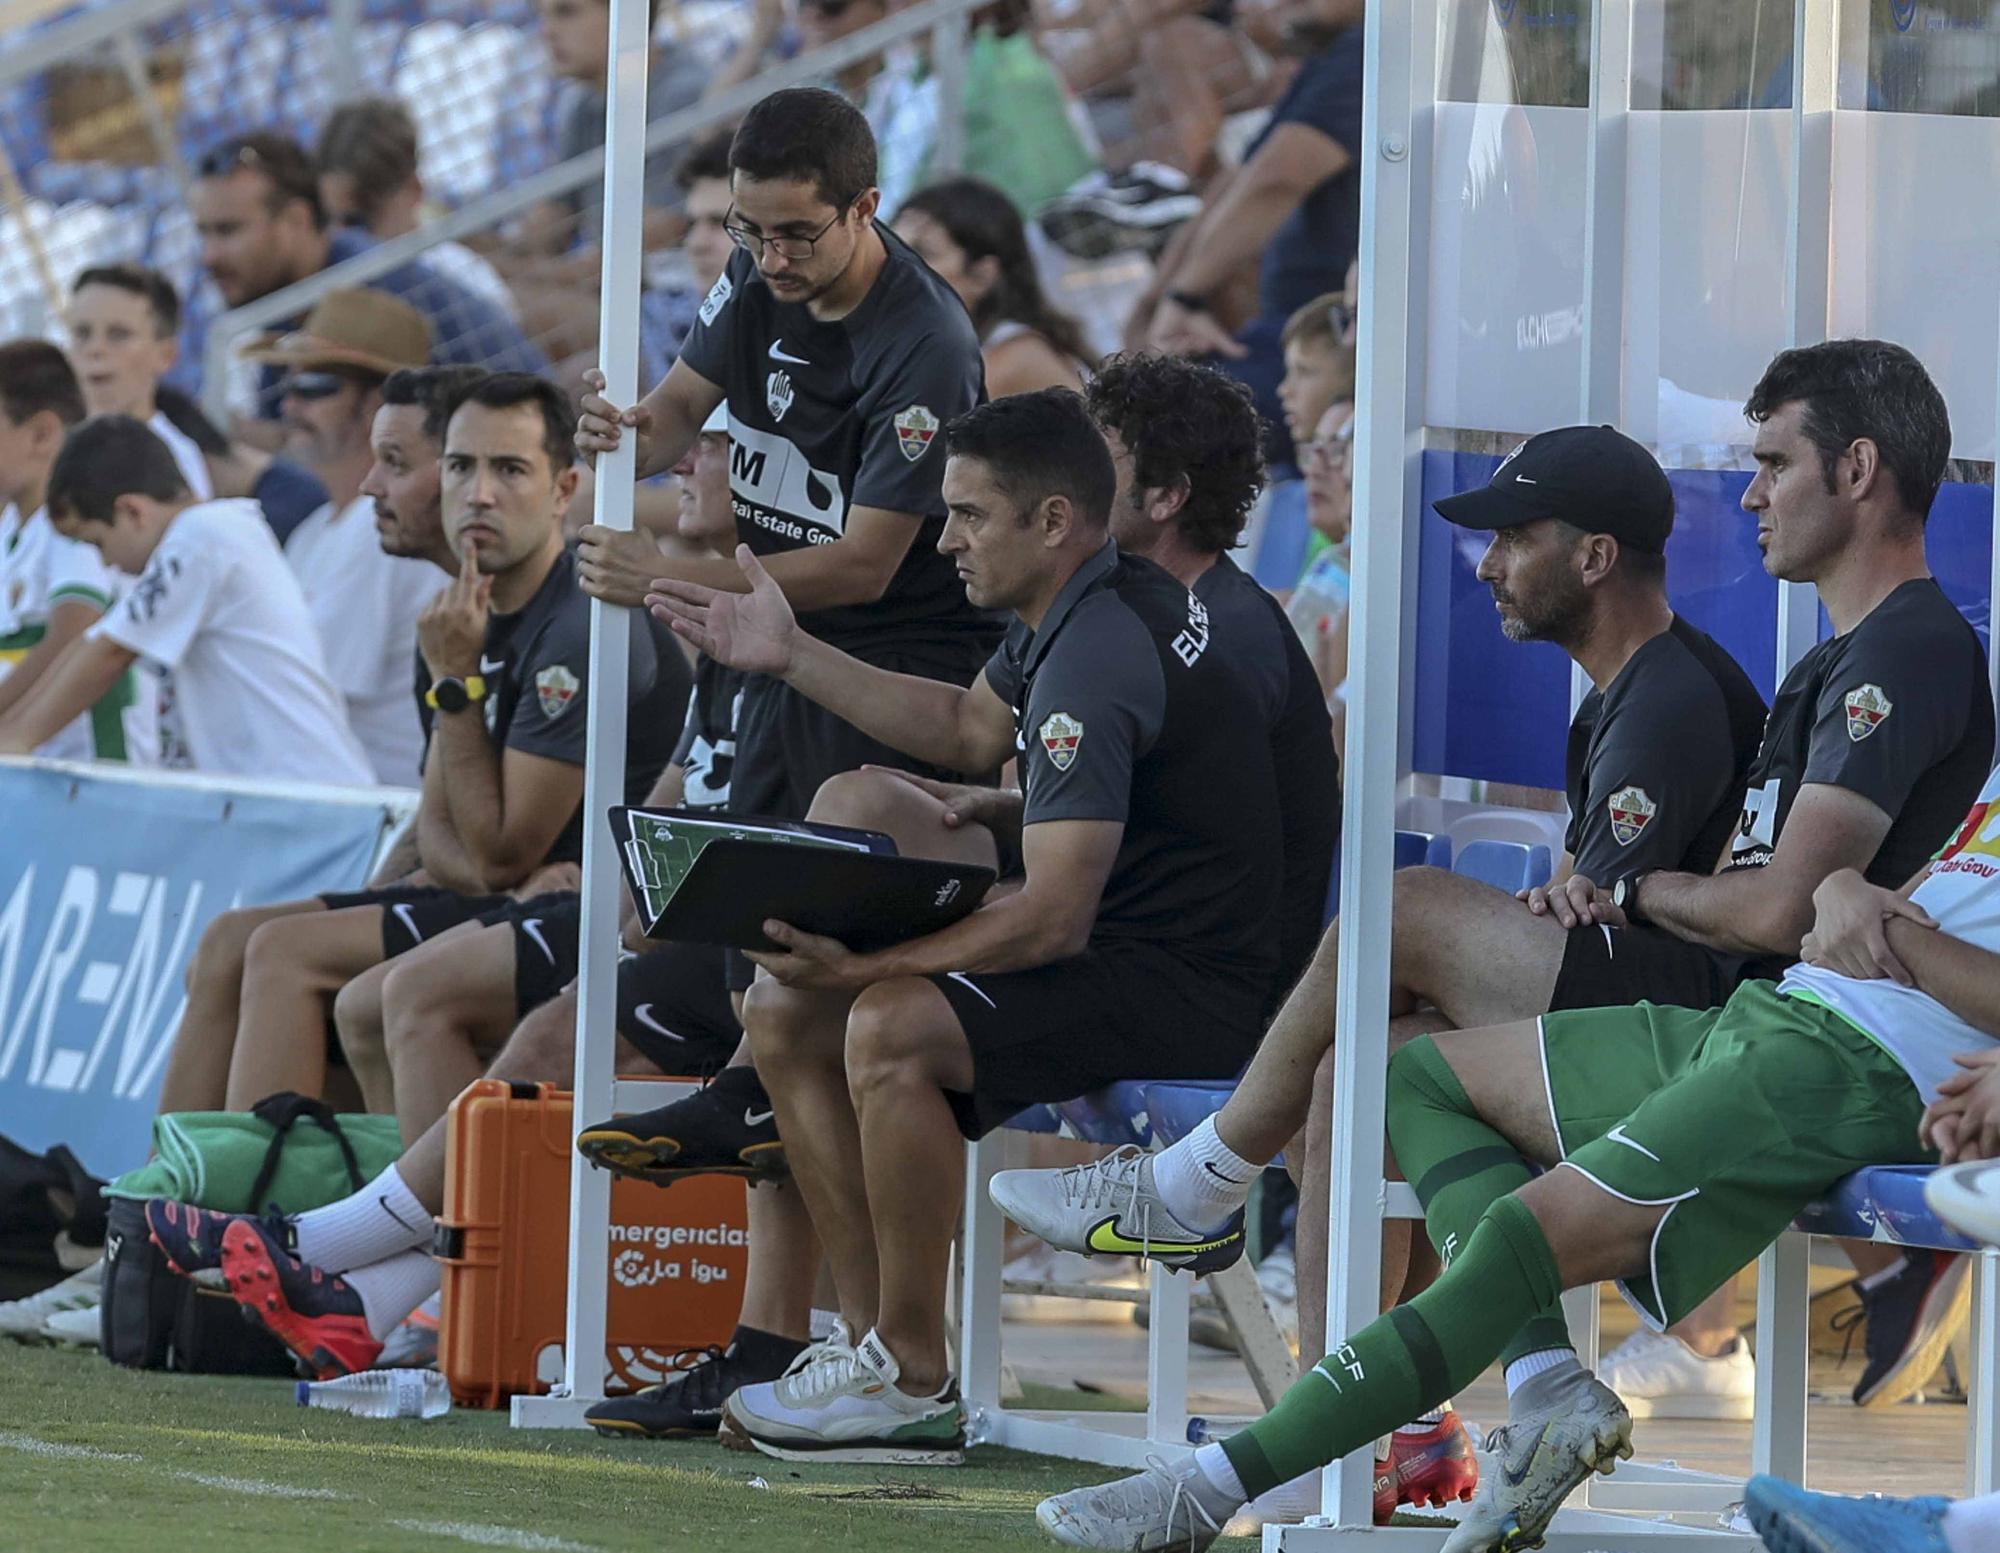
1632,810
1867,710
555,688
1060,735
915,428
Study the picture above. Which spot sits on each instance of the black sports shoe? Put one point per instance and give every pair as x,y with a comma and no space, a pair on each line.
689,1403
727,1128
1912,1318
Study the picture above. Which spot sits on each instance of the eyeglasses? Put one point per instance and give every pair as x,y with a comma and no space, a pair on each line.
310,385
1325,450
795,249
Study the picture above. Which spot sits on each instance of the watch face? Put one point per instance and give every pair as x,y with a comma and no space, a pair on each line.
451,696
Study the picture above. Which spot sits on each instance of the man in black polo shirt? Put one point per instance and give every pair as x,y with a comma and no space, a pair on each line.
1137,941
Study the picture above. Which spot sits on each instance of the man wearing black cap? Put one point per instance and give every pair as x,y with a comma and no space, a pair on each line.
1658,754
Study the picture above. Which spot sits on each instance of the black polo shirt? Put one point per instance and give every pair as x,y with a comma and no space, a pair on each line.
828,416
1129,707
706,753
1897,710
1658,759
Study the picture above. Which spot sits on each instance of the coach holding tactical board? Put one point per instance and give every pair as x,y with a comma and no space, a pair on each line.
840,356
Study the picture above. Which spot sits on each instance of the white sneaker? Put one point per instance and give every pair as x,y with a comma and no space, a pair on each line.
846,1406
1967,1197
80,1326
1112,1207
23,1318
1162,1507
1659,1376
1534,1461
1043,1263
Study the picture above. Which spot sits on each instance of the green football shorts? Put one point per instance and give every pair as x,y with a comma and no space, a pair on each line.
1738,1116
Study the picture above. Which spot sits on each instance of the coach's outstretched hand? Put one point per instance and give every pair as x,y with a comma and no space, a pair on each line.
754,631
599,423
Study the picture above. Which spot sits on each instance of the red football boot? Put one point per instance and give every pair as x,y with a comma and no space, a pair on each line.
1433,1468
311,1311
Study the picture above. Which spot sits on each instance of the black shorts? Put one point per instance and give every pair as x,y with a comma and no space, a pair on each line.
673,1006
787,746
1116,1011
414,914
1605,967
546,932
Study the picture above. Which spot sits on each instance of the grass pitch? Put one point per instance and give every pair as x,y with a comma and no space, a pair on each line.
94,1459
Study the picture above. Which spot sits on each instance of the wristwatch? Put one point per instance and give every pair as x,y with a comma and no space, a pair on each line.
452,694
1625,896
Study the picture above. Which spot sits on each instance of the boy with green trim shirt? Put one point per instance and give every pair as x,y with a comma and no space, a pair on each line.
53,589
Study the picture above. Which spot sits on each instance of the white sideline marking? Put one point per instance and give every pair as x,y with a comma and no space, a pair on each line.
494,1536
256,1487
29,1445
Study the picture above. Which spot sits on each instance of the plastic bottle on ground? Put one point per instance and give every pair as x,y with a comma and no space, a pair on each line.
381,1394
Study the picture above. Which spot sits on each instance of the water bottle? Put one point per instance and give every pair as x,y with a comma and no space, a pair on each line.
381,1394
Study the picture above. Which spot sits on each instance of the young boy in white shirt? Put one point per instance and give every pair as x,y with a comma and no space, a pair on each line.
53,589
124,335
214,603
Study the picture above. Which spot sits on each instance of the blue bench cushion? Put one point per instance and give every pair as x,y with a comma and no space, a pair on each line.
1115,1115
1885,1203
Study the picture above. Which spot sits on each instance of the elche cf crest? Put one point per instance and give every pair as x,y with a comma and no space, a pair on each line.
1060,735
1632,810
914,429
1867,710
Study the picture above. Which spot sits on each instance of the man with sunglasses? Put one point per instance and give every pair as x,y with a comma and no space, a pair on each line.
841,357
364,601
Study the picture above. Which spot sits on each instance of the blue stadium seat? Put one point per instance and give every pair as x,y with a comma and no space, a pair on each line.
1506,865
1115,1114
1176,1107
1413,848
1037,1118
1885,1203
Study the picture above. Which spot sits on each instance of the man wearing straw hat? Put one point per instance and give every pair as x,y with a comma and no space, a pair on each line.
364,602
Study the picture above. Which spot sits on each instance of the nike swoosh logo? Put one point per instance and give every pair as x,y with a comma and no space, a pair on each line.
644,1014
383,1203
491,668
1513,1478
756,1118
1210,1168
1617,1135
409,920
533,928
1104,1236
778,354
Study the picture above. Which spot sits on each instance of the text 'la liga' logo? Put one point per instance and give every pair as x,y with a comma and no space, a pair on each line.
1867,709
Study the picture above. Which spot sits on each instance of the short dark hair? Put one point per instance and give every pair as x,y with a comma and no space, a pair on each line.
107,457
36,376
374,141
1863,388
180,408
708,157
809,135
150,285
1186,423
435,390
505,390
279,159
1040,445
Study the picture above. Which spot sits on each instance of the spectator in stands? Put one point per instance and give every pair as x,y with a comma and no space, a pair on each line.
1675,1147
214,604
289,493
124,322
258,214
368,178
1317,392
666,313
53,589
1851,443
1658,757
365,602
873,1058
1293,208
505,651
968,231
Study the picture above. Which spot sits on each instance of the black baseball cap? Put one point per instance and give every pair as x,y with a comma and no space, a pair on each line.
1592,477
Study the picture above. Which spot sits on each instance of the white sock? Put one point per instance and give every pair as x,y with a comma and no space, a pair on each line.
1424,1423
378,1221
393,1287
1202,1180
823,1324
1875,1280
1290,1502
1973,1525
1221,1476
1526,1368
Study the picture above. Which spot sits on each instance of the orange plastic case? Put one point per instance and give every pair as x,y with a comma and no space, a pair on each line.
676,1255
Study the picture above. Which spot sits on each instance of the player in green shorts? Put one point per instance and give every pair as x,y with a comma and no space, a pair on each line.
1676,1144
